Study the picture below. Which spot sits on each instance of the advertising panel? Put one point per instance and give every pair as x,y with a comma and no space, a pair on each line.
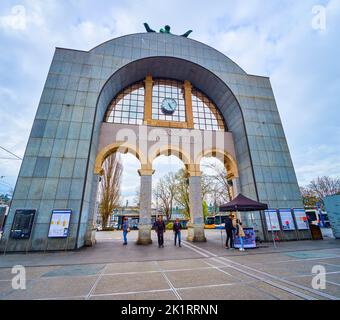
272,220
22,223
249,239
59,224
286,219
301,219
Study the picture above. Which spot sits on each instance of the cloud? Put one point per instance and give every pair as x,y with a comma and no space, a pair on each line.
264,37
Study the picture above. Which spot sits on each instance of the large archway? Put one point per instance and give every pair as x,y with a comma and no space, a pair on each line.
131,123
64,144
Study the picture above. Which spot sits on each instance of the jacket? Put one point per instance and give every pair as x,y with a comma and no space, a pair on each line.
177,227
125,226
239,231
228,224
159,226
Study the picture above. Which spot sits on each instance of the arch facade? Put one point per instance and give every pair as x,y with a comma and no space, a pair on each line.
67,145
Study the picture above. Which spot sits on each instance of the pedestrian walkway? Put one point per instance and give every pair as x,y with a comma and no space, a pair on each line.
196,271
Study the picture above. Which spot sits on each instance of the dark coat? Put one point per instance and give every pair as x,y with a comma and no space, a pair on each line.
159,226
177,227
228,224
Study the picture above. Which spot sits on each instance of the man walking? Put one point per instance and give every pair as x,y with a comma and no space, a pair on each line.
177,231
229,230
126,229
160,229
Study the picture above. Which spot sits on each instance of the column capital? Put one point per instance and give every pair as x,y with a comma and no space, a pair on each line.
146,170
193,170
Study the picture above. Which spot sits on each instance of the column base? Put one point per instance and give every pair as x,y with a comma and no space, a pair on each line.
196,233
144,235
90,239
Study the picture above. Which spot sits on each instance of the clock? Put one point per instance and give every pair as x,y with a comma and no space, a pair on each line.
169,106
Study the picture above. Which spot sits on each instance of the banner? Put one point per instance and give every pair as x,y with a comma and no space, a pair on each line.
301,219
60,222
272,220
249,239
287,219
22,223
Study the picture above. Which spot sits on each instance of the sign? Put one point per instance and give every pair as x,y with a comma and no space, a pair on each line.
249,239
22,223
59,224
272,220
301,219
286,219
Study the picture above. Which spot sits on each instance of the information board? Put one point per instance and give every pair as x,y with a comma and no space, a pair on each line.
60,222
287,219
272,220
249,239
301,219
22,223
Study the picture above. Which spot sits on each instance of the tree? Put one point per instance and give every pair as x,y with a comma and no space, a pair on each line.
325,186
182,189
309,198
165,194
110,187
205,209
319,188
219,191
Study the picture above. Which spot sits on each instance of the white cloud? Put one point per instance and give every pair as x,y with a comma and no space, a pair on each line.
16,20
263,37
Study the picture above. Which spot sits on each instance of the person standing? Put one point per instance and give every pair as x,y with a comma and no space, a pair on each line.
240,233
177,227
126,230
229,230
160,229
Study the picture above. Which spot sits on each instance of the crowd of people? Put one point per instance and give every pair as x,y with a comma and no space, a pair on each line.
233,227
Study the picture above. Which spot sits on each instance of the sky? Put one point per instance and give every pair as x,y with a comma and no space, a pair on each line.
295,43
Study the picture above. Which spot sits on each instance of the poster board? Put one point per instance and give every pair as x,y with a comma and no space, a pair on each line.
301,219
22,223
249,239
286,219
272,220
60,222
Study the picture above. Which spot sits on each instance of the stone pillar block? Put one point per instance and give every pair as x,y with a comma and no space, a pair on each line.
144,234
196,233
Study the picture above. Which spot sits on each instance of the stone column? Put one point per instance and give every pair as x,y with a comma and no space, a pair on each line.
144,226
196,225
236,186
90,237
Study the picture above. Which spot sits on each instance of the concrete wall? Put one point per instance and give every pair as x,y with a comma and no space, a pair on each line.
332,204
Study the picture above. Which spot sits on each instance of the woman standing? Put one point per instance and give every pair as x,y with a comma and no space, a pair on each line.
240,233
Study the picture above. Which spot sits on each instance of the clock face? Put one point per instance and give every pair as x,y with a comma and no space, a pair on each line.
169,106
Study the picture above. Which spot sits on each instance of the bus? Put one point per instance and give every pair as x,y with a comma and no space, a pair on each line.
216,221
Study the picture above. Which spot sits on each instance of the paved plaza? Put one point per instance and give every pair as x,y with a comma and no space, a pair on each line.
200,271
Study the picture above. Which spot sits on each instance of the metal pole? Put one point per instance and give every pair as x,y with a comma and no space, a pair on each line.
271,228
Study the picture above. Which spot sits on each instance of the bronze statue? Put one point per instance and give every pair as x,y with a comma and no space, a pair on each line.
166,29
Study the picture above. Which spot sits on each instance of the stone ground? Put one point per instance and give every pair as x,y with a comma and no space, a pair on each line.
199,271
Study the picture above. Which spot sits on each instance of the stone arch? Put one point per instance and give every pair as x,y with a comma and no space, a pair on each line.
225,157
169,150
122,147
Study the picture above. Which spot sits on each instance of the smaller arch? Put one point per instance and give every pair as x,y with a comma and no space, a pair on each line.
122,147
169,150
227,159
